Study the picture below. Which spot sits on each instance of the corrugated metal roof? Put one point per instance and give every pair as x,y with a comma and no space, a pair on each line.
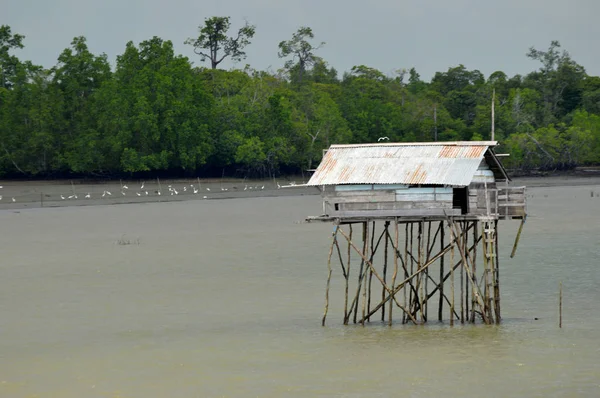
431,163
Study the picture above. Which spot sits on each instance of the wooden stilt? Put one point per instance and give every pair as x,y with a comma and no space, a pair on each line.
371,272
329,275
366,250
347,278
441,284
385,264
360,272
466,245
476,237
497,275
395,271
452,282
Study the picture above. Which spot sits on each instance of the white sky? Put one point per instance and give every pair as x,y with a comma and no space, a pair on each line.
430,35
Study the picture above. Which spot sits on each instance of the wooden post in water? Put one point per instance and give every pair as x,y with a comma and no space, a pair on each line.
441,288
329,275
385,264
347,278
452,279
396,254
560,305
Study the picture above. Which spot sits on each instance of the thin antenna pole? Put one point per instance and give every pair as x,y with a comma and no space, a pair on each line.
493,115
435,122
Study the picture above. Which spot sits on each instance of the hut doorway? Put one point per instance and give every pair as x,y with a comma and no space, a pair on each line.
460,199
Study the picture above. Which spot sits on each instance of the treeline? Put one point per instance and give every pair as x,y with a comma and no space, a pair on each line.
154,112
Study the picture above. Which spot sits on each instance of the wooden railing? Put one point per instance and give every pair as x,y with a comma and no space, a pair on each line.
511,202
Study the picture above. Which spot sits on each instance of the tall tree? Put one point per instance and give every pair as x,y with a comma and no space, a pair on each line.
301,51
8,63
213,43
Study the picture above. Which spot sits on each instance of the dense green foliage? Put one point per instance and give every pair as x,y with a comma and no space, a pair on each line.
156,113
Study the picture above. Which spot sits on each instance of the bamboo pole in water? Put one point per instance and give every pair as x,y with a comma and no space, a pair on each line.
329,276
370,271
405,266
452,282
360,273
395,271
385,263
441,284
476,238
560,305
419,293
364,308
462,306
496,274
347,278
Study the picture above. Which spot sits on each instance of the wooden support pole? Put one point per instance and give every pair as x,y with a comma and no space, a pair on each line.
364,255
360,272
420,276
371,272
476,238
405,266
329,275
466,245
395,271
462,305
347,278
385,264
496,274
452,283
441,285
514,249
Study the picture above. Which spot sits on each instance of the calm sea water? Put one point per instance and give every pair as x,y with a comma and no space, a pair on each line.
224,299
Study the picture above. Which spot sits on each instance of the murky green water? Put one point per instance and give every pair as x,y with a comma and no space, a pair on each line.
224,298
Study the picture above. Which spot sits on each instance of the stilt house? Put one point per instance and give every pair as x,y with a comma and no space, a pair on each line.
434,209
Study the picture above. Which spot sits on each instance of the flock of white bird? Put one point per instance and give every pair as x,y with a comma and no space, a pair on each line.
142,191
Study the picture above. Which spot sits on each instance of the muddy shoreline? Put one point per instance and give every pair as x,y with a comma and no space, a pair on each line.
59,193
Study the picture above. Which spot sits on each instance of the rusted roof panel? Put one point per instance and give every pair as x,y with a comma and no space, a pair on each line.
448,163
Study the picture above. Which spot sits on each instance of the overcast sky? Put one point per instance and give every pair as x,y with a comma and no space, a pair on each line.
430,35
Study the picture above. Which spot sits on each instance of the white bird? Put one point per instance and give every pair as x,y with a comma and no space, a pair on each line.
208,189
158,193
184,189
138,194
108,193
63,197
176,193
146,192
142,187
103,194
246,187
71,196
0,197
88,196
263,187
382,138
122,193
195,190
204,197
249,187
278,186
13,199
1,187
